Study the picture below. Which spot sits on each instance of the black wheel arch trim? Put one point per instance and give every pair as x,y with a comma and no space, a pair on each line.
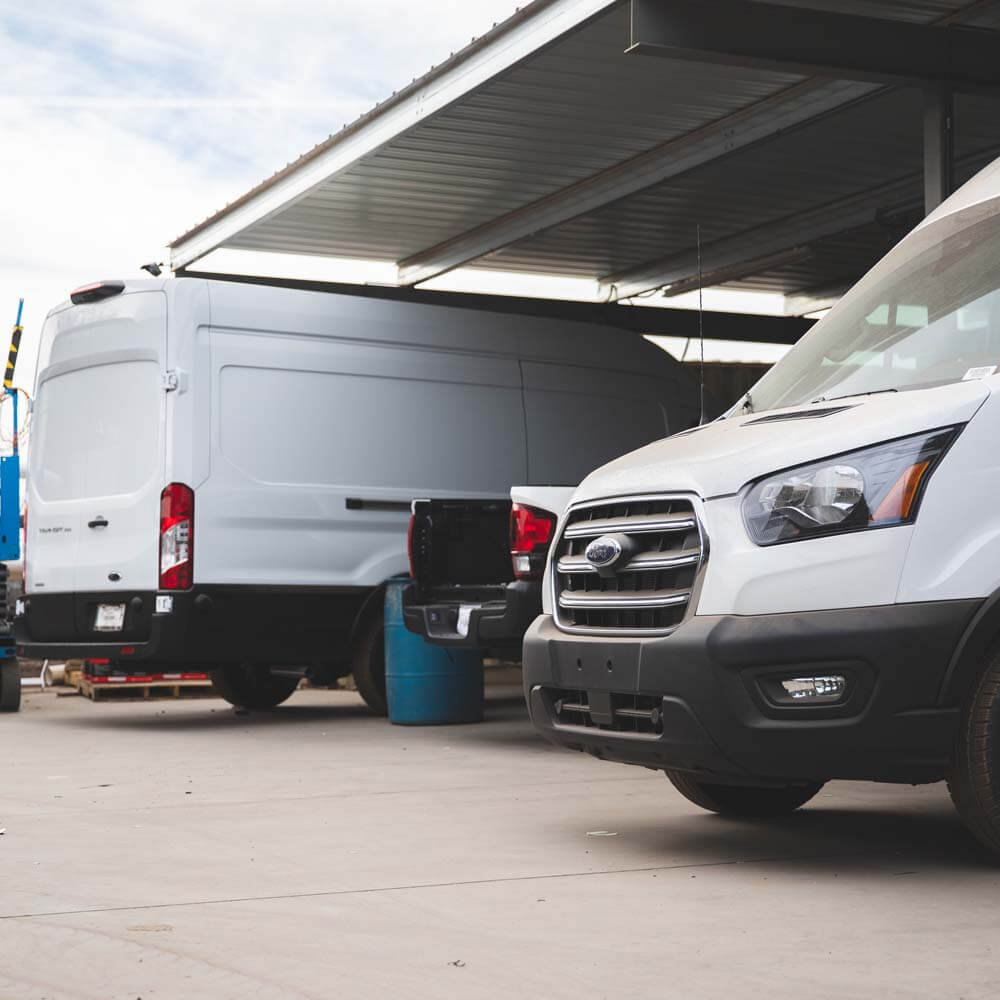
982,632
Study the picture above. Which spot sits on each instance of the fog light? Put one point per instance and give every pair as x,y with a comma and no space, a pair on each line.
815,689
522,563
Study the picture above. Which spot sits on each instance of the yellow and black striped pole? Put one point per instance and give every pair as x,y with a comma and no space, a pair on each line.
15,343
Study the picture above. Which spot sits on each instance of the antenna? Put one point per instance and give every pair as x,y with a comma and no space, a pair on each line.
701,334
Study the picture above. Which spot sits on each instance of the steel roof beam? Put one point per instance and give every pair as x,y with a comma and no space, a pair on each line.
760,121
740,255
781,38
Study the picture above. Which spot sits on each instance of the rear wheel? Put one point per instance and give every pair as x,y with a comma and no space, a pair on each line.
252,686
975,779
368,659
742,800
10,686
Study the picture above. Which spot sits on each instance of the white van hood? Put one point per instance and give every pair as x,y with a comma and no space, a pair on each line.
722,457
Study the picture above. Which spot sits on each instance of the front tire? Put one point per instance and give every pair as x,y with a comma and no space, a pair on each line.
743,800
368,660
10,686
252,686
974,784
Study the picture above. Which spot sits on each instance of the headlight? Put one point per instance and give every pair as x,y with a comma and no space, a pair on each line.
872,488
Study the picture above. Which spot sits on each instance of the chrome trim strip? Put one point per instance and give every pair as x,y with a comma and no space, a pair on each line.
645,562
622,601
630,526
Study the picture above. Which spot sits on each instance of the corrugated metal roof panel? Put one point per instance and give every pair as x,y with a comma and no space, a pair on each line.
577,106
569,112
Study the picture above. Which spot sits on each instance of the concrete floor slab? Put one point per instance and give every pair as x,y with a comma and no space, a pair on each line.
176,849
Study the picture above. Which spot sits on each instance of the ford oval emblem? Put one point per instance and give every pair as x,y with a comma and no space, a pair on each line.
603,552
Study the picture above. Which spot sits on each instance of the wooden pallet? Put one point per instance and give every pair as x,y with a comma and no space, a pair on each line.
96,688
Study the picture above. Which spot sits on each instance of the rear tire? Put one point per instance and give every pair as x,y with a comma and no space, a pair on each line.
252,686
974,784
10,686
743,800
368,660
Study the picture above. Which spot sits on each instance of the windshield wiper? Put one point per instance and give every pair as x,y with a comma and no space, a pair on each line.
851,395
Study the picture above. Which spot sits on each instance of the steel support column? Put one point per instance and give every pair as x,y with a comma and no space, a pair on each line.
939,146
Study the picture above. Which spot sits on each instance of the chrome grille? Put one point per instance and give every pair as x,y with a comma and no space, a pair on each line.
650,592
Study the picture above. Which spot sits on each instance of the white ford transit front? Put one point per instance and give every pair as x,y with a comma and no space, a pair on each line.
808,588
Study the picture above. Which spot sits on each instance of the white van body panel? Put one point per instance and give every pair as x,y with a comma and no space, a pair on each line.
955,552
857,570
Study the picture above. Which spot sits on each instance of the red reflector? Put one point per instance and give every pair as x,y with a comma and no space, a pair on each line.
529,528
98,663
127,650
176,537
96,291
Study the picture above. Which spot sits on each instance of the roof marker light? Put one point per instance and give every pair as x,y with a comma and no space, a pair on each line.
96,291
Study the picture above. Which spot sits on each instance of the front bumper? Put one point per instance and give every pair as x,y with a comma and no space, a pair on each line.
713,716
497,620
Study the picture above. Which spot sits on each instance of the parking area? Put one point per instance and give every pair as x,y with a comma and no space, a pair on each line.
179,849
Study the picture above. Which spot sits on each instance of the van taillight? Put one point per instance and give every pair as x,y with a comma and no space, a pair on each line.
176,537
409,546
530,535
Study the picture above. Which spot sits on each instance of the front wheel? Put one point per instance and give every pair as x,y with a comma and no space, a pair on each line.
368,660
743,800
10,686
252,686
975,778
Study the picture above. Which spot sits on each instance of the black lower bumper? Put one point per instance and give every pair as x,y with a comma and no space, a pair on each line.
207,625
498,617
707,683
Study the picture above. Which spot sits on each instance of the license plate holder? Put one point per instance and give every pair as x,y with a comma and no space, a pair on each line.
109,618
464,617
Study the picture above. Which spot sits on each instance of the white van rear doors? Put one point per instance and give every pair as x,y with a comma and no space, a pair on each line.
96,465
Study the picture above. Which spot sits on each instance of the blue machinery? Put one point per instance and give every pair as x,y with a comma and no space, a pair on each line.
10,534
10,465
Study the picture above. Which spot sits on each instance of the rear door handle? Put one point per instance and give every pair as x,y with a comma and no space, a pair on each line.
98,522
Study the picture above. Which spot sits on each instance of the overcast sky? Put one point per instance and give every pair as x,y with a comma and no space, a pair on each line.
124,124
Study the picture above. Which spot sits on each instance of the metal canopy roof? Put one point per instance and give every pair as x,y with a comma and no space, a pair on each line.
546,146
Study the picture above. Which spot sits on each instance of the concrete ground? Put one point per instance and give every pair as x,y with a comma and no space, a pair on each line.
176,849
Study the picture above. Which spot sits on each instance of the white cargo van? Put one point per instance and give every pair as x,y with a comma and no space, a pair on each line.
221,473
808,588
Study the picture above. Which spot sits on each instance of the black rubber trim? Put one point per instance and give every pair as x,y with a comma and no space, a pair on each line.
890,727
208,625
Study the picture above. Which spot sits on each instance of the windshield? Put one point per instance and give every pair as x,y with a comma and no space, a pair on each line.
932,319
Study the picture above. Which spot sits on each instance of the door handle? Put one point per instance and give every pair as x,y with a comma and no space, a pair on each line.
98,522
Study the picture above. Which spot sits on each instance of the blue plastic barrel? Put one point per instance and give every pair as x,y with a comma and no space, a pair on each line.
427,685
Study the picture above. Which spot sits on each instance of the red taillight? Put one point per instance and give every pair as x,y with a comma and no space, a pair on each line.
530,535
176,537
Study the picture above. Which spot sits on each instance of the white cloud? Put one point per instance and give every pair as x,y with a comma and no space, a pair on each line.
125,124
